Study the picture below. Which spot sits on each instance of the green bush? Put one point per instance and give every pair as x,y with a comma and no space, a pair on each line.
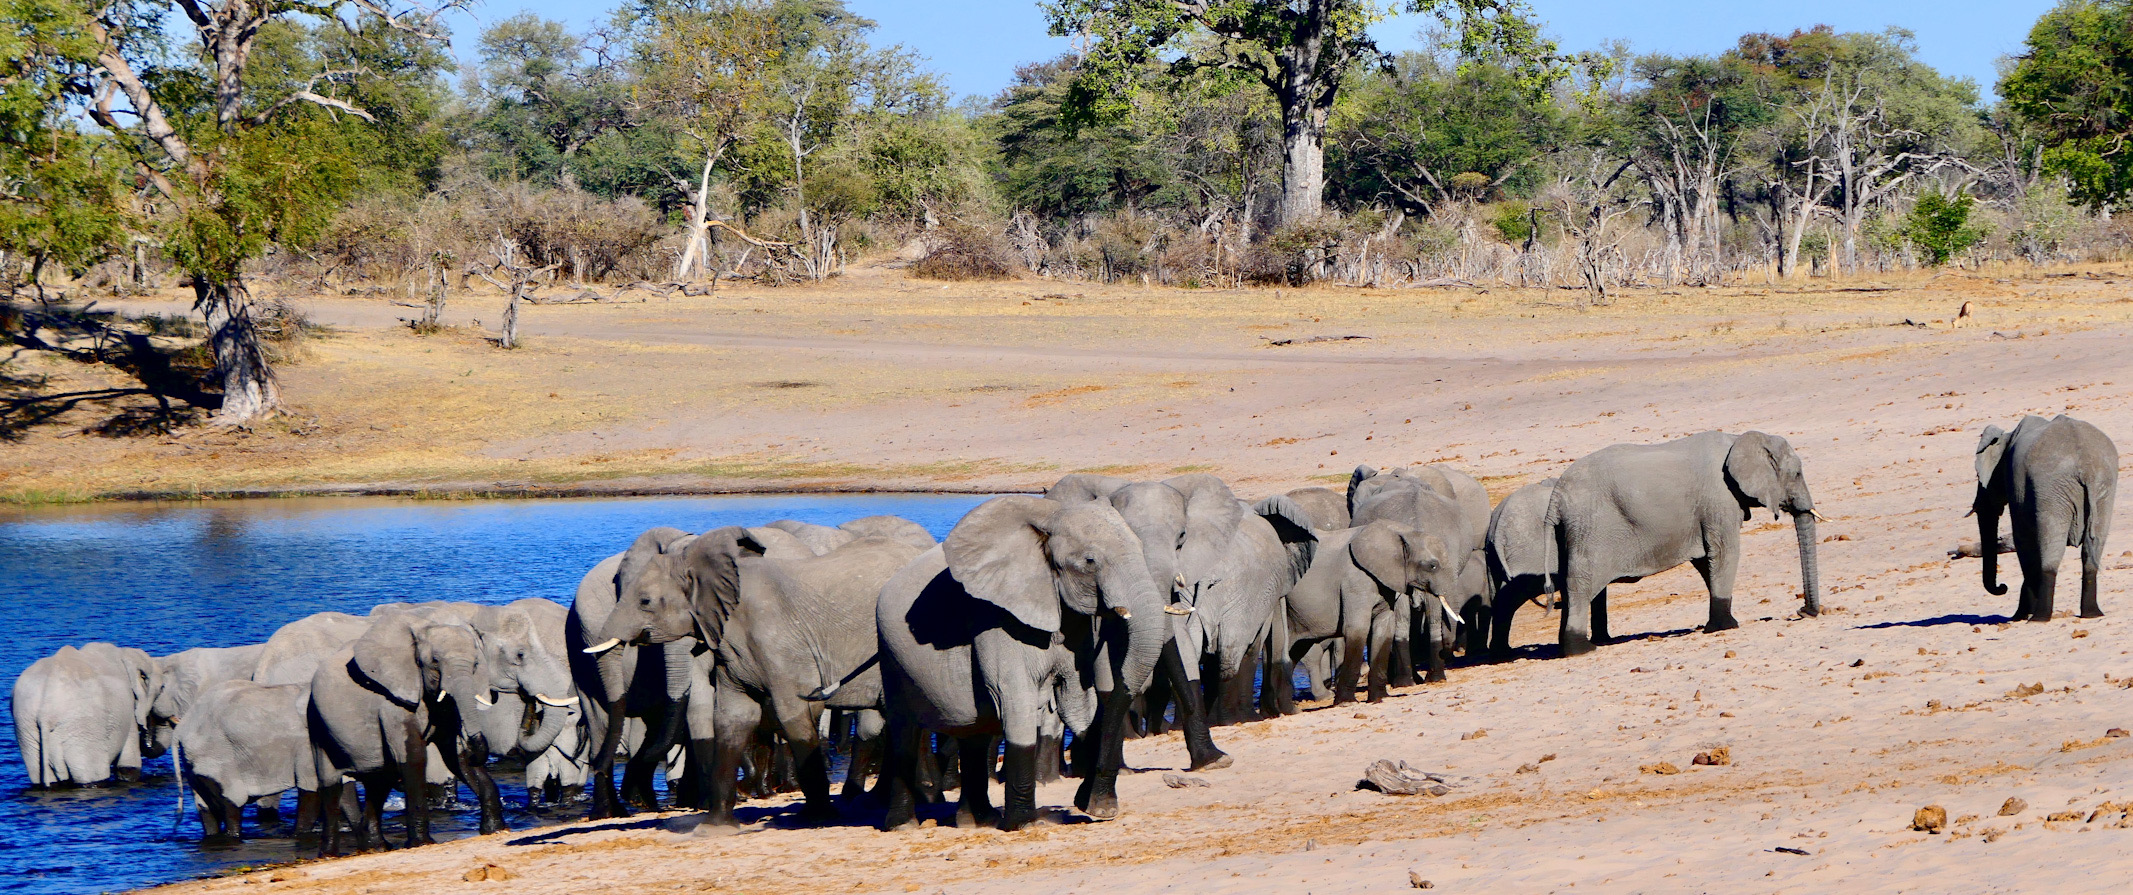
1940,227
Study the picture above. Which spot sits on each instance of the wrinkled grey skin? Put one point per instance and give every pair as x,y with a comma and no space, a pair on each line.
895,528
645,698
1521,560
1358,580
293,654
998,632
1327,508
2057,479
185,674
532,698
1440,503
791,636
1634,510
244,743
819,539
378,704
82,715
556,774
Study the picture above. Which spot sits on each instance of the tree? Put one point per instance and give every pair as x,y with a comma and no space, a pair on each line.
545,103
2075,86
1688,120
1940,227
1299,50
1428,135
61,197
244,167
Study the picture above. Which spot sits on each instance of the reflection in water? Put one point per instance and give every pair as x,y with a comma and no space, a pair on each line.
173,576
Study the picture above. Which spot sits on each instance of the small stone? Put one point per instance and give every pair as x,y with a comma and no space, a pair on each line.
1478,734
1732,655
2115,732
1930,819
493,873
1528,769
1415,881
2013,806
1717,757
1663,769
1725,714
1180,781
1360,715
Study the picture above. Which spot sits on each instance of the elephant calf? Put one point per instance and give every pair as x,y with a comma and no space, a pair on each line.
2057,478
1354,590
1630,511
82,715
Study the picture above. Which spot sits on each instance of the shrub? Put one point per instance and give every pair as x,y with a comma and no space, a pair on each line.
1940,227
963,253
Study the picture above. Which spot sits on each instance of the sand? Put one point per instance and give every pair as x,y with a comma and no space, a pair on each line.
1910,691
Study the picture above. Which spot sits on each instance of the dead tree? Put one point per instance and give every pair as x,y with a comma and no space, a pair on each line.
517,278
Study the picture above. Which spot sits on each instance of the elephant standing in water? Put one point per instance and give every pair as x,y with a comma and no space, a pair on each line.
186,674
792,635
1521,560
1634,510
82,715
1010,628
2058,479
243,743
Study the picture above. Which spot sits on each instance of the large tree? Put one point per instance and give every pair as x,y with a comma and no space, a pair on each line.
2074,84
1300,50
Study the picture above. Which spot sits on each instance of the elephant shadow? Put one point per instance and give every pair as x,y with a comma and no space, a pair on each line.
553,835
1962,618
1555,651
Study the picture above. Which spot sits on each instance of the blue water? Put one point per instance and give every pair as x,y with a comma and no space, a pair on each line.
168,577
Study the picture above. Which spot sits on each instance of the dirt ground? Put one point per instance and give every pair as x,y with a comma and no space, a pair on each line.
1911,691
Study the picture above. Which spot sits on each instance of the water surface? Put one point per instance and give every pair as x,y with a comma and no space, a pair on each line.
168,577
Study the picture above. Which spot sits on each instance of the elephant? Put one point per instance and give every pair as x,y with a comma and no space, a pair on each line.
556,774
791,635
82,715
646,700
1327,508
242,743
538,702
819,539
1446,504
376,707
1630,511
185,674
293,654
2058,479
895,528
1009,628
1358,580
1521,559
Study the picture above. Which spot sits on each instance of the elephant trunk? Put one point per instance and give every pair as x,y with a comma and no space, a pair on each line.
616,646
1988,545
615,666
544,684
1133,599
681,667
1803,525
468,692
553,720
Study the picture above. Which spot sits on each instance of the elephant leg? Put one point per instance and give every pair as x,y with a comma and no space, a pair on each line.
1098,796
899,775
1081,755
1601,634
2091,564
370,828
414,776
1236,691
637,775
975,806
1477,616
1351,668
1277,683
1382,655
307,811
1401,659
207,803
267,813
1201,752
1435,641
866,753
1050,750
1718,575
1019,774
798,722
928,777
335,816
738,727
1580,590
606,801
2049,538
474,768
1503,610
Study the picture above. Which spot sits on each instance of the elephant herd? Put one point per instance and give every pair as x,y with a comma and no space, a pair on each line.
1031,641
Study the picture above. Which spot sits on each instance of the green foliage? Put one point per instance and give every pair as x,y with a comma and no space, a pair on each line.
62,193
1427,133
1940,227
2075,85
1513,222
281,184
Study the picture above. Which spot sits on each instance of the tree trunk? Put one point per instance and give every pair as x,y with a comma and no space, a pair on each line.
1303,169
249,391
510,334
698,253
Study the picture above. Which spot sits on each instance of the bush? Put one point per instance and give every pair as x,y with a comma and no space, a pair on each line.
963,253
1940,227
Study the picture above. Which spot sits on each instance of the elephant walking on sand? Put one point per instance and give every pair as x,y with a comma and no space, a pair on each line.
1630,511
2057,478
1448,505
1520,551
1009,629
1358,580
82,715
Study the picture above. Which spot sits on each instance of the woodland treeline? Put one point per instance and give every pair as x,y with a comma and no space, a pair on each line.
338,146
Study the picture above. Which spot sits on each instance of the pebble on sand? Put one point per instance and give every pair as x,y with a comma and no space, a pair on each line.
1930,819
2013,806
494,873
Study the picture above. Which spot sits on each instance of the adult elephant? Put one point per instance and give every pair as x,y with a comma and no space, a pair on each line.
293,654
185,674
791,637
2057,478
82,715
243,743
1009,628
529,701
556,775
1354,590
1327,508
1441,503
1522,566
646,692
895,528
378,704
1634,510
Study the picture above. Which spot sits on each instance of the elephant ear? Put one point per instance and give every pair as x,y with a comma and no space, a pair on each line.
143,677
1361,474
1382,550
385,655
1212,516
1752,467
713,562
1082,487
1991,446
997,553
1296,529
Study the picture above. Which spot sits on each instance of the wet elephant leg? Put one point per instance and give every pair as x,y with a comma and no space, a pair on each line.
1098,795
1019,774
899,775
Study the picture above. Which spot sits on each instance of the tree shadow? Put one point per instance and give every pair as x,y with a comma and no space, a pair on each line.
1938,620
173,382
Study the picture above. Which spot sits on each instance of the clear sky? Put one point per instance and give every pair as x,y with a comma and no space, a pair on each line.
976,44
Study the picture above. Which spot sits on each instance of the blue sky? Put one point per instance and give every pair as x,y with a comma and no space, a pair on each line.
976,44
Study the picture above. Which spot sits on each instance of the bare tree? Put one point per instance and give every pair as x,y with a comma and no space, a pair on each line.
1588,198
514,277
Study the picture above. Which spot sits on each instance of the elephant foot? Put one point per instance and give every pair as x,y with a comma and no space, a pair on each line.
1214,762
1576,646
970,820
1098,796
1016,818
899,817
1715,625
126,775
2095,613
1434,677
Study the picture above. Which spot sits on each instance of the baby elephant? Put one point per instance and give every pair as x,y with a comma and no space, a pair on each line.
2058,476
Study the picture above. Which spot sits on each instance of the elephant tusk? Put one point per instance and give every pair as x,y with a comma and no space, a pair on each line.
1122,611
1818,516
485,700
1180,609
599,648
558,703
